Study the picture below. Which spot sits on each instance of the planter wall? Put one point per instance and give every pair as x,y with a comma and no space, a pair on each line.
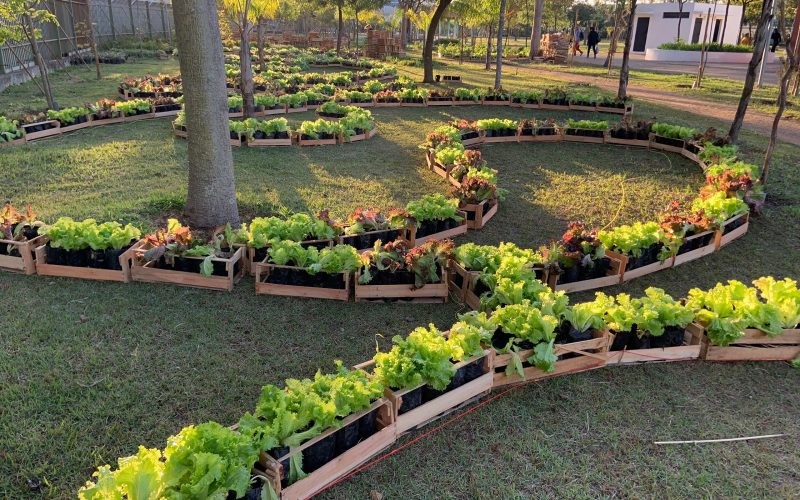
148,272
754,346
264,270
691,348
43,268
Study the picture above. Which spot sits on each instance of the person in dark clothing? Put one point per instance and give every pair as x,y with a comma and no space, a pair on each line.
776,39
592,41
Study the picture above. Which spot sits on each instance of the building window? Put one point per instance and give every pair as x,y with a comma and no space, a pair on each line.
676,15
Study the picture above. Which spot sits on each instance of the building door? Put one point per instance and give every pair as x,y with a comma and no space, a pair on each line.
640,38
716,30
698,25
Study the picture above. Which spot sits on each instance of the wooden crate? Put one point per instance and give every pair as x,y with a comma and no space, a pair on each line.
557,137
179,132
25,263
263,269
506,138
250,253
78,126
261,143
591,354
465,102
628,275
554,107
640,143
136,118
369,134
301,109
442,102
470,283
480,216
148,273
754,346
32,136
318,142
379,104
459,280
413,241
706,249
580,138
161,114
342,464
115,118
614,277
348,239
617,111
15,142
578,107
414,104
484,102
692,156
665,147
85,273
444,404
280,110
430,293
724,239
691,348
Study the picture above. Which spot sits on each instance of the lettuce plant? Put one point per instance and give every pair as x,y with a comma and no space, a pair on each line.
296,227
673,131
633,239
9,129
67,116
424,357
719,207
587,124
433,207
138,477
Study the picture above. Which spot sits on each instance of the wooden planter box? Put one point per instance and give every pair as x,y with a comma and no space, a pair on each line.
627,109
472,141
85,273
179,132
25,263
148,273
139,117
591,354
349,239
171,112
15,142
459,280
485,102
450,233
506,138
614,277
447,402
318,142
702,251
580,138
442,102
430,293
692,156
262,143
250,259
724,239
280,110
116,117
301,109
524,105
557,137
554,107
414,104
641,143
666,147
369,104
340,465
754,346
263,270
369,134
691,348
478,215
32,136
379,104
639,271
78,126
467,102
578,107
444,172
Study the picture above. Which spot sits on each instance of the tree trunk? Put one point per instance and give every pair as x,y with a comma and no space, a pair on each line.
725,22
427,51
211,199
260,35
498,75
773,137
404,28
536,31
680,18
37,56
752,68
622,92
246,69
488,65
339,29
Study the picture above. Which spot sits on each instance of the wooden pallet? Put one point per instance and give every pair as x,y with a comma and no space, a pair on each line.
691,255
691,348
430,293
628,275
592,354
25,263
339,466
413,241
614,277
147,272
480,216
724,239
85,273
754,346
263,270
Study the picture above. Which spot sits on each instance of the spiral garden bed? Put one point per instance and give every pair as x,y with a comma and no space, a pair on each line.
477,347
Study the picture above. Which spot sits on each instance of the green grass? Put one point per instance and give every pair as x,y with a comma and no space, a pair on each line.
90,370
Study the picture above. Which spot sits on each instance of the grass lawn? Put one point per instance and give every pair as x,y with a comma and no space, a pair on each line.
90,370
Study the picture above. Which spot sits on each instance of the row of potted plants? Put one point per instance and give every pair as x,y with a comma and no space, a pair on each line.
298,439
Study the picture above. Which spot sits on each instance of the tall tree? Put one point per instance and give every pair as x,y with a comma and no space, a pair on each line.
18,20
622,92
211,198
681,3
498,75
427,50
790,67
762,34
536,30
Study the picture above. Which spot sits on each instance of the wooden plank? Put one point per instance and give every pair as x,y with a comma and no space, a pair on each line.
480,218
146,272
580,138
613,277
628,275
437,291
260,143
576,107
628,142
86,273
32,136
25,262
740,231
691,349
263,270
691,255
450,233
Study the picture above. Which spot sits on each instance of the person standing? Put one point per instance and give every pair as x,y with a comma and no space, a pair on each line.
591,42
776,39
577,38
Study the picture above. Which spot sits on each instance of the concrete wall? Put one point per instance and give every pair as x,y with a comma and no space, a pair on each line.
663,30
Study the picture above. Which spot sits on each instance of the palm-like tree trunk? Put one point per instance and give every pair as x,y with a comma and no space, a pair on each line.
622,92
211,199
339,28
498,75
536,32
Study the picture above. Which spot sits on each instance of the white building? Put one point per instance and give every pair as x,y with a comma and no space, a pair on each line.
657,23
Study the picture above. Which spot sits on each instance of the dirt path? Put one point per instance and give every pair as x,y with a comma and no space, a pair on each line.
756,121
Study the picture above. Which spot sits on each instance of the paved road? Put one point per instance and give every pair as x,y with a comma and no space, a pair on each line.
715,70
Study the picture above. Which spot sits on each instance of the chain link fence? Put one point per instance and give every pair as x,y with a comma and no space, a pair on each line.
108,20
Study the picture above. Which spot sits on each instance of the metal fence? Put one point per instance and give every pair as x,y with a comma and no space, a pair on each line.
108,19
